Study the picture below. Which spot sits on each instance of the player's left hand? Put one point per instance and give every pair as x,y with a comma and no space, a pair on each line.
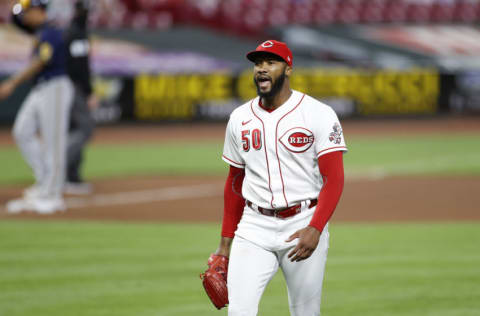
307,243
6,89
214,280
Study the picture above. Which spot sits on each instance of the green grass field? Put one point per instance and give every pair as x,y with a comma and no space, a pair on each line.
433,154
86,268
59,268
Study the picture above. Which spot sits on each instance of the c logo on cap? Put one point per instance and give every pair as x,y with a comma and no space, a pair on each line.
267,44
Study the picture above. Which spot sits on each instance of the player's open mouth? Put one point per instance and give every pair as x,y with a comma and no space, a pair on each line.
264,82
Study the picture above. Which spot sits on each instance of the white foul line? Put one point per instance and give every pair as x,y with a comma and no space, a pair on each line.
146,196
172,193
163,194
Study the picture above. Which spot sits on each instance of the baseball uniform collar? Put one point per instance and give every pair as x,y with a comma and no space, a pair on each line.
292,102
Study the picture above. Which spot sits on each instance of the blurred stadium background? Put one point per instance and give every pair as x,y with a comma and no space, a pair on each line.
403,75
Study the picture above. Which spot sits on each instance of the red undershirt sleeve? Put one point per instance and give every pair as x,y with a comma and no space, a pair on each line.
233,201
331,169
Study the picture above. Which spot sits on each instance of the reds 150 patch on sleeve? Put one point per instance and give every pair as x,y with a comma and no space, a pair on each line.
336,136
330,133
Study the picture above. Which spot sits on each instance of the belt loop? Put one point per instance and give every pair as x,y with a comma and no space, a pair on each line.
252,206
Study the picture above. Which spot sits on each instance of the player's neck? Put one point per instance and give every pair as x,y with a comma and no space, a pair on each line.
275,101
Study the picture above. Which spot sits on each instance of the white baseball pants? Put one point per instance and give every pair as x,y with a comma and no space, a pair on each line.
40,131
259,249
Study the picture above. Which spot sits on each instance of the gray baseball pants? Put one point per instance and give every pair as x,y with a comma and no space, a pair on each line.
40,131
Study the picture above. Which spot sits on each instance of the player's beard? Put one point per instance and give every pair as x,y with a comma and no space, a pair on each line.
276,87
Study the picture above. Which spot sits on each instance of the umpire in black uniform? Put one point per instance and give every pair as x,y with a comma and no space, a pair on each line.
81,122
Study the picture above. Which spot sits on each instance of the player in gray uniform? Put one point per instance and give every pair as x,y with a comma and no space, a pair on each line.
40,128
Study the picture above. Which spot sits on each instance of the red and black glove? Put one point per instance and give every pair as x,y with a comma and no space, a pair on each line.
214,280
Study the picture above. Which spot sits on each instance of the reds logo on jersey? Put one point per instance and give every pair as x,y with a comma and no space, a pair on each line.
297,139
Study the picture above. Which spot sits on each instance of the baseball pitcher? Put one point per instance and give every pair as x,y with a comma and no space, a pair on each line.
285,151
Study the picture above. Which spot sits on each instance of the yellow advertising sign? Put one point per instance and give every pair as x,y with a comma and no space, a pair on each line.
168,96
381,92
374,92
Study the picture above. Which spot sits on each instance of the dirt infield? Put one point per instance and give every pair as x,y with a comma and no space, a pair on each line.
197,198
390,199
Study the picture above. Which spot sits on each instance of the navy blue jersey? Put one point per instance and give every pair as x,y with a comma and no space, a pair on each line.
51,49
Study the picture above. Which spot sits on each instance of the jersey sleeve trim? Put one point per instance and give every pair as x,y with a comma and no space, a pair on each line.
233,163
331,149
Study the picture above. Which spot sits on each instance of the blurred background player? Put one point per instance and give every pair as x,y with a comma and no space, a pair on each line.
40,128
84,101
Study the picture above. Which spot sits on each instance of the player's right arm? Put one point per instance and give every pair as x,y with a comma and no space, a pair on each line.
232,210
36,65
233,199
8,86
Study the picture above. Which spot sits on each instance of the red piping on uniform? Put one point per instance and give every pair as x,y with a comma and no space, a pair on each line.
276,147
330,149
265,148
240,164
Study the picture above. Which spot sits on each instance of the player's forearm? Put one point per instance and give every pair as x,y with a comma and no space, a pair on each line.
34,68
331,167
224,247
233,202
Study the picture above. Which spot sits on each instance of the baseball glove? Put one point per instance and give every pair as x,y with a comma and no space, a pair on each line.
214,280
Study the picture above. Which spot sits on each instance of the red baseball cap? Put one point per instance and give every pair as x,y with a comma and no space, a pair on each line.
273,47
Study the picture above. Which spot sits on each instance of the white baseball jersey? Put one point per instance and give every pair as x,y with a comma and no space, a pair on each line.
279,149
